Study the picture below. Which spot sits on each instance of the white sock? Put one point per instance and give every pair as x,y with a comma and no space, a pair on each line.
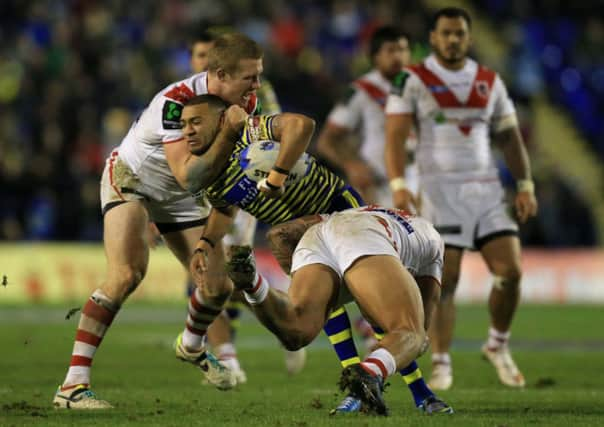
200,315
442,360
226,351
381,362
259,292
497,339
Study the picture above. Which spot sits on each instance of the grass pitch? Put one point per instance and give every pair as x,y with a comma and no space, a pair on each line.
560,350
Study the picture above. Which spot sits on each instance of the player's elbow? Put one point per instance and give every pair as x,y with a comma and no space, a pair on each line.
303,125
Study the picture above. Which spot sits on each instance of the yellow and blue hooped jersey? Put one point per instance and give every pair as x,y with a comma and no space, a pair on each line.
320,191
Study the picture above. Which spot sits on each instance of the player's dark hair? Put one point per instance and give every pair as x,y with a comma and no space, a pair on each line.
382,35
213,101
203,36
450,12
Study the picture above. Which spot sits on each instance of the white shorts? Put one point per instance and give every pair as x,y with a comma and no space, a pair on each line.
119,184
347,236
467,213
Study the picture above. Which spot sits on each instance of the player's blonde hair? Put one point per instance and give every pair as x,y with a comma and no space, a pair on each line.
229,49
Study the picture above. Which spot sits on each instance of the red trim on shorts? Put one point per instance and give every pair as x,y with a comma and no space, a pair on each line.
80,361
379,364
172,141
88,338
98,313
113,157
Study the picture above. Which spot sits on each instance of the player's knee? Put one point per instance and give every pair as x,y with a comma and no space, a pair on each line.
124,281
218,291
508,276
449,284
297,339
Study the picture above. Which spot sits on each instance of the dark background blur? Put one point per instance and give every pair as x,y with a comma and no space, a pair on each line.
73,75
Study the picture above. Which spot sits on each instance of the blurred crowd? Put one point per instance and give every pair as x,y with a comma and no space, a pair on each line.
75,73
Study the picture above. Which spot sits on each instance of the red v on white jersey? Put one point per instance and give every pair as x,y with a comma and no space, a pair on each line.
479,95
377,94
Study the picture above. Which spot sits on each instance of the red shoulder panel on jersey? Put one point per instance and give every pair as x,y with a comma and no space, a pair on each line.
481,89
374,92
180,93
439,90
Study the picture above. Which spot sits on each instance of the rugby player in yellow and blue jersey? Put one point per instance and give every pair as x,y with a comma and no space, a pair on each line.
270,200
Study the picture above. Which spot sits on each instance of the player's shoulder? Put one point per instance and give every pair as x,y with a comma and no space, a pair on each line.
183,90
405,77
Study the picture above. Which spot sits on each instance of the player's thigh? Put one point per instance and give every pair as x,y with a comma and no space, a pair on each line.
182,242
386,292
124,239
502,256
312,293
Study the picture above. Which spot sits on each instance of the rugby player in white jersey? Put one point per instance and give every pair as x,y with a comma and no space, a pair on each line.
386,261
222,332
458,106
148,178
361,113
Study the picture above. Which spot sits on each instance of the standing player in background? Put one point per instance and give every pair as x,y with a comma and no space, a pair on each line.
138,186
221,333
363,110
457,105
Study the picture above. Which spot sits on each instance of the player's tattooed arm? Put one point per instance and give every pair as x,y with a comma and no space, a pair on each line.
283,238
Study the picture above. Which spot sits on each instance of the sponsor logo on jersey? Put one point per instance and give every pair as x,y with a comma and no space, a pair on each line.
171,115
482,88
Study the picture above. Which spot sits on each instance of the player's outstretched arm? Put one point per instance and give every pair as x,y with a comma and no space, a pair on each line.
397,129
283,238
336,146
516,158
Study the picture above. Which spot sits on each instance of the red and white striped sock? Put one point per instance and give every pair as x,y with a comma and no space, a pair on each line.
497,339
201,314
380,362
259,292
95,319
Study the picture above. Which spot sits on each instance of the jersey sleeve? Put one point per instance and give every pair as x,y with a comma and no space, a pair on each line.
259,128
503,105
347,112
404,93
169,128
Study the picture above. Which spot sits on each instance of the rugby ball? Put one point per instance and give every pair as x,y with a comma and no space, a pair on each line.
258,158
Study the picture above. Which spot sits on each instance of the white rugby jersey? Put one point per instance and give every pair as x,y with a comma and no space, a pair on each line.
454,114
363,110
142,149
